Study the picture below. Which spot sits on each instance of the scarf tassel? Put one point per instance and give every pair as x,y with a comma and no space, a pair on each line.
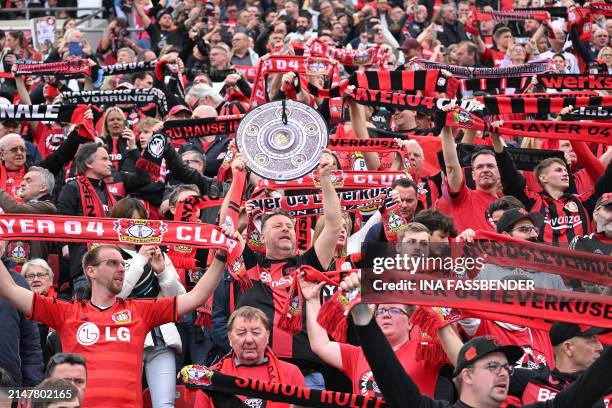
431,351
203,317
291,318
332,317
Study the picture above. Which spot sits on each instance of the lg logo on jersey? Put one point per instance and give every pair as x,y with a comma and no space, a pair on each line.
88,334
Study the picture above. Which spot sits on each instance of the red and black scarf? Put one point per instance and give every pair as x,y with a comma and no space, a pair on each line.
90,201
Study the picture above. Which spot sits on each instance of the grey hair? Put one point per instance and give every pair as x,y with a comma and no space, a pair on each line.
37,262
84,156
130,52
6,137
200,91
47,177
173,197
416,145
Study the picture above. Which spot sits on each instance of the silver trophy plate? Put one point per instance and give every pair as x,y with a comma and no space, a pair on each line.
282,140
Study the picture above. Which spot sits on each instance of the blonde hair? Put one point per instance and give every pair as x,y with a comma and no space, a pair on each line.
411,227
107,112
340,252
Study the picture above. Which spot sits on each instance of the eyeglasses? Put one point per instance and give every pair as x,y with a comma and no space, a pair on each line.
113,263
527,229
189,161
16,149
39,275
392,311
495,368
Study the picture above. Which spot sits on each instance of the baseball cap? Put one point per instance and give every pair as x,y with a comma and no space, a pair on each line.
163,12
605,199
178,108
410,44
559,332
481,346
514,215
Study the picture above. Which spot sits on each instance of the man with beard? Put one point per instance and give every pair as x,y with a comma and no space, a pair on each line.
467,207
107,331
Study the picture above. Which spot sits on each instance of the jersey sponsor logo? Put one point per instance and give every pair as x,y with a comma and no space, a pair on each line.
544,394
565,221
140,232
115,156
123,317
88,334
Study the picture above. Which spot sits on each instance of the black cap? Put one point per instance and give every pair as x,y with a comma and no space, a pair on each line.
481,346
514,215
559,332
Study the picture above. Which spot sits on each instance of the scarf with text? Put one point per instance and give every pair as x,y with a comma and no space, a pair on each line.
371,145
370,56
514,15
183,256
184,129
200,377
583,18
303,206
550,81
340,179
589,113
528,69
73,67
282,64
50,113
598,132
90,201
429,82
40,227
496,105
400,100
138,97
543,304
129,68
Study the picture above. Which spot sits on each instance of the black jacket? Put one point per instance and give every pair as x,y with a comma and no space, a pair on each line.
452,33
21,355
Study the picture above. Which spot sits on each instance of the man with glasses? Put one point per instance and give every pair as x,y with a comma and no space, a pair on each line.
483,369
70,367
110,332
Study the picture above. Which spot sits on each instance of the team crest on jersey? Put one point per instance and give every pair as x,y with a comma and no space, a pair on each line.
195,275
140,232
571,206
123,317
19,251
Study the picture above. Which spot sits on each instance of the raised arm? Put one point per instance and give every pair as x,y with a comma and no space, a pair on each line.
454,174
146,21
328,351
325,245
360,127
20,297
205,287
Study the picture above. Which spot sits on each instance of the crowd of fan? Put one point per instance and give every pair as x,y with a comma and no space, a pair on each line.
212,45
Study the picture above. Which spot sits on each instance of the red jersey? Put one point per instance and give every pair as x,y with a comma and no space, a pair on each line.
535,343
287,374
467,208
356,367
111,340
48,138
